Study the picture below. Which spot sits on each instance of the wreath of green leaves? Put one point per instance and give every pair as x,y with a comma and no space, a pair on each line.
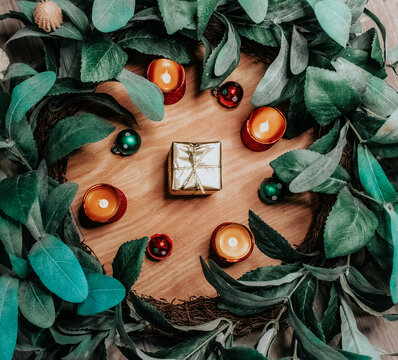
55,300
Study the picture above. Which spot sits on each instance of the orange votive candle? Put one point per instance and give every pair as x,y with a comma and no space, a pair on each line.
232,242
104,203
170,77
265,126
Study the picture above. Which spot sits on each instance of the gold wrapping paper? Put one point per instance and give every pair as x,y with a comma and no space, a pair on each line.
195,168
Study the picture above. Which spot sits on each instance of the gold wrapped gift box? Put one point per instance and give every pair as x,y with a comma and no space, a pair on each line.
195,168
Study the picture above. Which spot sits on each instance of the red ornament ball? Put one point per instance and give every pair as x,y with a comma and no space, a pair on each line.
159,246
229,94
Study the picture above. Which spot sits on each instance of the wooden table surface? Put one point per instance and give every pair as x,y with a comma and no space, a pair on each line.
190,221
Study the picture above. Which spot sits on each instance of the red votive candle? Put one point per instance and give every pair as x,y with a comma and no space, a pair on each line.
264,127
170,77
104,203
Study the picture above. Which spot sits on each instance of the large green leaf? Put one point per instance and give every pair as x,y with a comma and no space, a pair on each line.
68,31
27,8
327,142
388,132
328,95
289,165
102,59
351,338
24,96
77,15
112,15
128,261
322,169
241,352
153,40
8,316
17,70
275,79
349,226
87,261
57,206
271,243
104,292
263,33
36,304
372,176
331,318
256,9
71,133
394,235
314,346
11,235
205,10
20,266
58,269
335,18
18,194
145,95
299,53
81,351
178,14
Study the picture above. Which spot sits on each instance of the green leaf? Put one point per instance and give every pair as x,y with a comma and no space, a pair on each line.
27,8
256,9
8,316
311,344
73,132
112,15
36,304
372,176
299,53
11,235
229,52
349,226
381,252
24,96
351,338
70,86
81,351
275,79
335,18
388,132
104,292
70,55
27,31
394,235
35,222
87,261
18,195
303,303
63,339
57,206
74,13
322,169
128,261
328,95
331,317
271,273
273,244
376,94
205,10
102,59
20,266
241,352
145,95
153,40
178,14
327,142
58,269
68,31
71,234
17,70
289,165
264,33
325,274
378,57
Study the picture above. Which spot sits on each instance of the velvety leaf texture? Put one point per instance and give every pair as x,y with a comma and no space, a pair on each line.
77,15
73,132
18,194
205,10
394,274
69,31
11,235
58,269
349,227
299,53
256,9
112,15
178,14
102,59
128,261
18,69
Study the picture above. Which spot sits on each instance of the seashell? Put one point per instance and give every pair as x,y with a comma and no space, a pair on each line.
48,15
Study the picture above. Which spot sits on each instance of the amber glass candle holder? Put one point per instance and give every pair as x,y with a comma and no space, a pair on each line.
170,77
104,203
264,127
232,242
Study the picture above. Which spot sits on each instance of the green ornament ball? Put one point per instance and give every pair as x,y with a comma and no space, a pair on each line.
271,190
127,143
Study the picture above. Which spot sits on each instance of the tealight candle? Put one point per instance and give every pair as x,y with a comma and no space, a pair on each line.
264,127
170,77
232,242
104,203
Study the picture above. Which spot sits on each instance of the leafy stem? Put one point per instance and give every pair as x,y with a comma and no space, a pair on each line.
296,287
355,131
361,193
14,150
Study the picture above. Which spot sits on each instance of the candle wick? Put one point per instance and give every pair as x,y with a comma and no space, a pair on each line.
166,77
103,203
233,242
264,127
